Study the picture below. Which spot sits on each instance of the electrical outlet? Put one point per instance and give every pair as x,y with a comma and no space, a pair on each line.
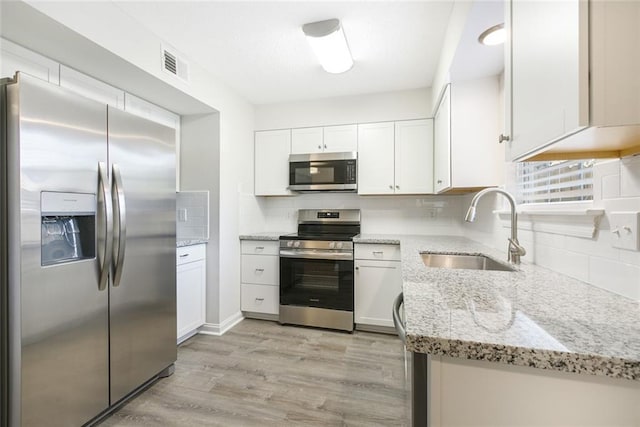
182,215
624,229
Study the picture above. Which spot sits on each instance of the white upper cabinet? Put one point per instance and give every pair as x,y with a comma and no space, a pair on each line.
572,78
272,149
376,158
16,58
467,155
329,139
306,140
339,139
91,88
442,143
395,157
414,157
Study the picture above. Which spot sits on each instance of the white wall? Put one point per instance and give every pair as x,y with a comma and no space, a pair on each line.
112,32
376,107
593,260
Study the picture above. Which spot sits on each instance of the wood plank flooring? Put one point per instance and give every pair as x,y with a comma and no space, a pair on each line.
264,374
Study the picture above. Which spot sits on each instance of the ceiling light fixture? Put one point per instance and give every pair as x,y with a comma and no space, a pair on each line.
493,36
329,44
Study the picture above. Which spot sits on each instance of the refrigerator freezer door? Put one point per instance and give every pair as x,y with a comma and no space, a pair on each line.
143,301
60,374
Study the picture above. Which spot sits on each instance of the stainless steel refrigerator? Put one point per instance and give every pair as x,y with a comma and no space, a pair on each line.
88,295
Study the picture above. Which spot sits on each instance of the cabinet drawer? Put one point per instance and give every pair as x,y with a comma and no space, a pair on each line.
258,247
187,254
260,298
261,269
377,252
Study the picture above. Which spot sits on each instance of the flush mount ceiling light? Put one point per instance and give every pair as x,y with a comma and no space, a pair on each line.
493,36
329,44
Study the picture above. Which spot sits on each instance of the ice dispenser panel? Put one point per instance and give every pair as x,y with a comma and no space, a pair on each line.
68,227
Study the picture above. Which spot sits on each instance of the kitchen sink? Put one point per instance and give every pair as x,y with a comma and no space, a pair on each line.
463,261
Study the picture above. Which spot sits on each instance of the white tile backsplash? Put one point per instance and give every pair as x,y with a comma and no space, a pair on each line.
623,279
195,225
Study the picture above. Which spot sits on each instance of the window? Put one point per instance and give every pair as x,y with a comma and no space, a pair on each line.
554,181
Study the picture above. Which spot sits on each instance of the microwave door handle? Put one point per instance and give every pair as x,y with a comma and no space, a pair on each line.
104,194
120,240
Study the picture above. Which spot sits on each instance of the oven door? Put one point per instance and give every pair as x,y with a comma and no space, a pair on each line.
316,282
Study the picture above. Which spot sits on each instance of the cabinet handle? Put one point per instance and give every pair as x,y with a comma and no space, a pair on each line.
391,187
357,267
325,146
397,187
378,252
184,255
439,181
259,248
503,138
259,270
319,147
259,299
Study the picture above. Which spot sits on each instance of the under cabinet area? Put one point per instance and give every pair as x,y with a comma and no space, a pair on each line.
395,157
191,284
260,279
586,103
378,280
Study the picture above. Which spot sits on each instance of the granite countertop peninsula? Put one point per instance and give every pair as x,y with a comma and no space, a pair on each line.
190,242
265,236
530,317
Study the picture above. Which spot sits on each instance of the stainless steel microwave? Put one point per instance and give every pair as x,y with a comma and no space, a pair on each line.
323,172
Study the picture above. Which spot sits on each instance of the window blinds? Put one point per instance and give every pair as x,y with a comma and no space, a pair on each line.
555,181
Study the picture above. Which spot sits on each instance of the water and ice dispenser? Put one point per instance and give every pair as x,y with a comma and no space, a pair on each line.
68,227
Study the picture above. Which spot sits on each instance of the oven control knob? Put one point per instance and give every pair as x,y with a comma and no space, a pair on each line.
339,245
296,244
332,245
290,243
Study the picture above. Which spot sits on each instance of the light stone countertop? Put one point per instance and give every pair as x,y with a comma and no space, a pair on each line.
532,317
184,242
266,236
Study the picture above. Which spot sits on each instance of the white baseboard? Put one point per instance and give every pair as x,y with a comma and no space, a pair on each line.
220,328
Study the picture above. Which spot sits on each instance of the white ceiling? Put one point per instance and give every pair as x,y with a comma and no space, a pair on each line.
259,50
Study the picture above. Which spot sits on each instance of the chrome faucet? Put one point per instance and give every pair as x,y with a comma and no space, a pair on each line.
515,251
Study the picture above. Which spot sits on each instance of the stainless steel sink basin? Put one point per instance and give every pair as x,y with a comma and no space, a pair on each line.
463,261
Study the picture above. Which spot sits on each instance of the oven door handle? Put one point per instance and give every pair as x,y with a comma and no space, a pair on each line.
341,256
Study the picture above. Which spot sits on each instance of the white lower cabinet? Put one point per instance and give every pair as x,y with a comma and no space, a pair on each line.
191,285
260,279
378,280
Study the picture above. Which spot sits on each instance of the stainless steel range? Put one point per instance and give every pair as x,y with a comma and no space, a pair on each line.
316,269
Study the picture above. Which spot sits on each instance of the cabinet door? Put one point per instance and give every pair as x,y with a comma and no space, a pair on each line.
16,58
375,158
442,143
414,157
91,88
549,72
272,162
190,296
340,138
306,140
377,283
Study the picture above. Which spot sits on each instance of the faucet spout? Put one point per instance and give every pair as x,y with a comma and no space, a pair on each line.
515,250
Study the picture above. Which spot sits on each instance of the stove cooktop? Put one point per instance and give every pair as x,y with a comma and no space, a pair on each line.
346,237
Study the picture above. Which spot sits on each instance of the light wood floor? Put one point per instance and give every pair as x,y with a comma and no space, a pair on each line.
264,374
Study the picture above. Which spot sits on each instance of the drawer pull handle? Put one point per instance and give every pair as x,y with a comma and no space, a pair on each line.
259,270
378,252
184,255
259,248
259,299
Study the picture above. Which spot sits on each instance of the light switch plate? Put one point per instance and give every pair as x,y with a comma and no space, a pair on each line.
624,230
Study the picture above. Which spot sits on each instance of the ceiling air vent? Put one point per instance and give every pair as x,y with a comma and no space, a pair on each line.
173,64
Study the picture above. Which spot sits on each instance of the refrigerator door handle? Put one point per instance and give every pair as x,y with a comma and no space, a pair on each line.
120,231
108,217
